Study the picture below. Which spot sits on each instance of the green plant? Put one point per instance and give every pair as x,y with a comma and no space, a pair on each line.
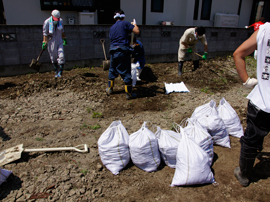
88,109
97,126
84,126
183,104
224,80
97,115
205,90
84,171
39,139
76,66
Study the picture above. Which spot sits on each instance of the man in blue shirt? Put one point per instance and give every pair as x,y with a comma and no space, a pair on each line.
120,61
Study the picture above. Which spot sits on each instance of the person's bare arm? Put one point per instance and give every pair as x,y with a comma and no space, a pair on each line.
206,48
185,44
136,29
45,38
246,48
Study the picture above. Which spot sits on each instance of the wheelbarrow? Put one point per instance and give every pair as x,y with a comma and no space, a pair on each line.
14,153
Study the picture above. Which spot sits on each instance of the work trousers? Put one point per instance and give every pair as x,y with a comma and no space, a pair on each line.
120,63
258,126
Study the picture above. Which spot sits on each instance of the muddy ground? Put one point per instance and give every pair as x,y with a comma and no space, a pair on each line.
39,110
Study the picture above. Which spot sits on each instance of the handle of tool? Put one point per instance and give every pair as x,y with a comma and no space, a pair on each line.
198,54
77,148
40,54
132,34
218,65
102,41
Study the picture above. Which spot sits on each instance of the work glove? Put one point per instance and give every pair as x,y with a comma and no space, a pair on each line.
64,41
250,83
204,56
44,45
133,22
189,50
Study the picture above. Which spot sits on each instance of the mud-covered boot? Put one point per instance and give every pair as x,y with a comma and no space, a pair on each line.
109,90
244,171
180,67
55,66
60,72
196,65
129,94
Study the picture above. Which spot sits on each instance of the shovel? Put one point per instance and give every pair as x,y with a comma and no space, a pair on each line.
14,153
35,64
106,63
218,64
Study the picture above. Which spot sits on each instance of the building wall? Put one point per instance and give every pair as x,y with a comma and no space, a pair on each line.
133,9
84,48
178,11
245,13
28,12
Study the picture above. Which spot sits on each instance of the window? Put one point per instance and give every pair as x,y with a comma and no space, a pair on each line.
206,9
157,6
196,10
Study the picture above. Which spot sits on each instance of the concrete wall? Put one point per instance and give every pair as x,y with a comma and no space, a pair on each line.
84,48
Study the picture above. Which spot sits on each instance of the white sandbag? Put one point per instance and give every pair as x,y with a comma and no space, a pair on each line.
134,72
113,147
144,150
168,141
230,118
200,136
192,164
4,174
207,116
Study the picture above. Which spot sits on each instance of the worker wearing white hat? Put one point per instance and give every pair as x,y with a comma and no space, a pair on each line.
54,38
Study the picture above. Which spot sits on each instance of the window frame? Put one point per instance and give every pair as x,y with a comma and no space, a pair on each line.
153,8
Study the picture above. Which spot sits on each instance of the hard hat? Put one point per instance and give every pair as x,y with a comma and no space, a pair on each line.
56,13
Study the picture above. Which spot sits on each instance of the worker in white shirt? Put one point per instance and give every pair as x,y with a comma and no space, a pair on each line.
187,43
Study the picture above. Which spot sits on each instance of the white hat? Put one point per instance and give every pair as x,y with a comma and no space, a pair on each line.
56,13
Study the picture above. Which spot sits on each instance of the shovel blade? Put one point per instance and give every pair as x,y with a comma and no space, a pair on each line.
106,65
35,65
11,154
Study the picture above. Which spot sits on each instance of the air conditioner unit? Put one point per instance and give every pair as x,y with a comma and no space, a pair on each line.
226,20
86,18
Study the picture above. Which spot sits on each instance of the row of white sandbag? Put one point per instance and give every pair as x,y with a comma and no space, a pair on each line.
145,149
116,146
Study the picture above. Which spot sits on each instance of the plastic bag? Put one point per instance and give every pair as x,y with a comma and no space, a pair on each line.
168,141
200,136
230,119
144,150
113,147
207,116
134,72
192,164
4,174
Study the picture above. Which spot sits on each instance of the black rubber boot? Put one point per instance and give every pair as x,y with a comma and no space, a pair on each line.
55,66
244,171
129,94
60,72
196,65
109,90
180,67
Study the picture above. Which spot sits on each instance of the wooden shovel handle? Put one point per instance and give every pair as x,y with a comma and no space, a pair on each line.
79,148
